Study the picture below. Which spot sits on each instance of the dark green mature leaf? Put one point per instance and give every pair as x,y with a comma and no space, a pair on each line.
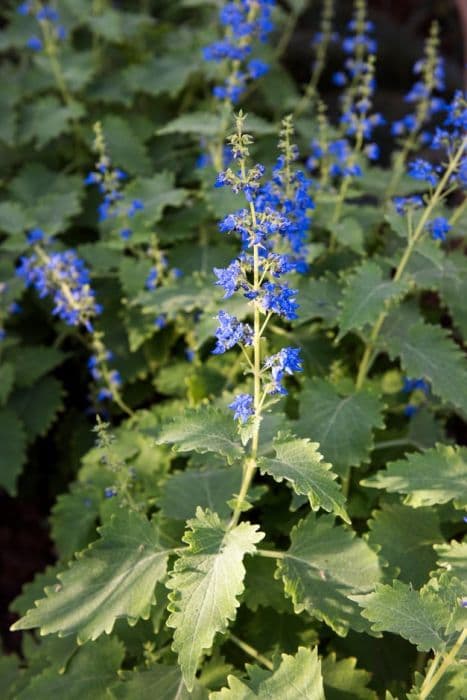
38,405
207,124
88,674
342,425
204,430
365,295
343,681
7,378
189,294
161,682
13,218
262,589
114,578
325,571
8,674
453,558
32,362
207,488
297,677
319,298
300,463
419,616
404,537
13,449
426,351
433,477
206,581
73,519
161,74
157,193
35,589
46,118
451,686
125,145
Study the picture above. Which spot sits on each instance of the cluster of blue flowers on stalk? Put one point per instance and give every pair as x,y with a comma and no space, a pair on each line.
244,22
257,271
49,18
451,139
417,388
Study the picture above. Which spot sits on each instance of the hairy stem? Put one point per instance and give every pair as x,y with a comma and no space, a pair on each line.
433,679
251,651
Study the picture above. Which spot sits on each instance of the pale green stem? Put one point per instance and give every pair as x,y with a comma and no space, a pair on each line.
270,554
251,651
437,197
430,682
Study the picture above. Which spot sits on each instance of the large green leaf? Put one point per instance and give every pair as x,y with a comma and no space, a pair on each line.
405,537
205,583
73,519
432,477
7,379
326,569
38,405
87,675
453,558
188,294
319,298
202,430
366,294
13,449
32,362
297,678
426,351
157,193
342,681
159,682
299,462
114,578
46,118
418,616
343,425
125,145
161,74
207,488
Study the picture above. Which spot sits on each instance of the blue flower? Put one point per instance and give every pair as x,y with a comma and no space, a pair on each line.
230,332
228,278
35,235
415,384
160,322
35,43
438,228
242,406
280,299
110,492
286,361
24,8
421,169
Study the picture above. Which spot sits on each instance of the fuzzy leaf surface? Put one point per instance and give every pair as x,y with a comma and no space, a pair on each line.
297,678
299,462
429,478
367,294
205,583
115,577
343,681
161,682
205,430
325,570
342,425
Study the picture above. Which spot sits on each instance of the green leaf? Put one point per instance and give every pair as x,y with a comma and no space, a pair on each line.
319,298
203,430
162,74
326,570
13,452
34,590
114,578
13,218
38,405
297,677
32,362
426,351
365,296
46,118
300,463
453,558
125,146
87,675
198,123
7,378
73,519
207,488
404,537
159,682
205,583
342,425
343,681
432,477
417,616
262,589
189,294
157,193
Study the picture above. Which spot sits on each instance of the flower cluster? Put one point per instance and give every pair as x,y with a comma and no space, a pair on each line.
357,46
49,23
244,22
256,272
64,277
108,180
430,80
419,390
108,381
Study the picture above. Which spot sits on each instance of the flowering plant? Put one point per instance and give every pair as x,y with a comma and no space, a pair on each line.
207,273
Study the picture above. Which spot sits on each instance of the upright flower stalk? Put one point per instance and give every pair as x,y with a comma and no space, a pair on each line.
254,274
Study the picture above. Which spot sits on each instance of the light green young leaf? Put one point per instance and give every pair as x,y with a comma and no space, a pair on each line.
326,570
87,675
418,616
209,488
365,295
13,451
404,538
426,351
205,583
432,477
114,578
159,682
299,462
343,681
203,430
342,425
297,678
